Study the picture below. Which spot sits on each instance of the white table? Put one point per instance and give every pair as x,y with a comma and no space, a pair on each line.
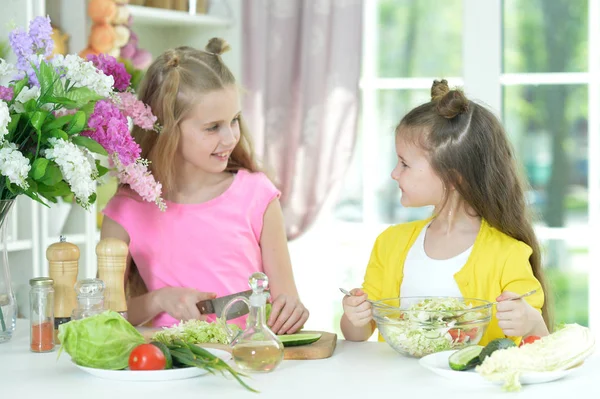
356,370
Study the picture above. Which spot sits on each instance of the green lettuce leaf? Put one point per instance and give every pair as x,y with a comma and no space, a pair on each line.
103,341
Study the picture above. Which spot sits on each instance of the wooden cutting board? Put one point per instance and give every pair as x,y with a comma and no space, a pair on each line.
321,349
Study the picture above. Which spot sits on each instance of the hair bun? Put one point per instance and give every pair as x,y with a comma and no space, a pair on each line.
439,89
217,46
174,61
450,103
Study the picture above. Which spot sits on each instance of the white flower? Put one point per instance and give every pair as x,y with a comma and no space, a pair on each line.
7,69
82,73
4,120
14,165
25,95
77,169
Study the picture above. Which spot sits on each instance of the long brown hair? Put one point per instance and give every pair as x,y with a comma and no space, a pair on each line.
469,150
170,87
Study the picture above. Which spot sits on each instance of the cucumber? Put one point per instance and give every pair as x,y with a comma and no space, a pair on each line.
493,346
466,358
163,348
298,339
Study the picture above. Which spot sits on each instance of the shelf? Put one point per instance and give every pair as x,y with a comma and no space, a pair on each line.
19,245
163,17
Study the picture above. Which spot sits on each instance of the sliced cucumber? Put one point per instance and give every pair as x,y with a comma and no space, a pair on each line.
298,339
493,346
466,358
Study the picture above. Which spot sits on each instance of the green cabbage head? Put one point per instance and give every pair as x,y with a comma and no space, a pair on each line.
103,341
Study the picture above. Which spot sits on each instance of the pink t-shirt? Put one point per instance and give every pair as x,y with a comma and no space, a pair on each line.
211,246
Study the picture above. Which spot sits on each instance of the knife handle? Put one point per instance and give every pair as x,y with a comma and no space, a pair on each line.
206,307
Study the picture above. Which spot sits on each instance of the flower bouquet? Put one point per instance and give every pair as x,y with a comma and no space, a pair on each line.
64,123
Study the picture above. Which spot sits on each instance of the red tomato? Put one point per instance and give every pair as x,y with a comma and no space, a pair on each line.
457,335
147,357
472,333
528,340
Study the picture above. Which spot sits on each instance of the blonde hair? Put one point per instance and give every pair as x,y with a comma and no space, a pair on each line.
170,86
469,150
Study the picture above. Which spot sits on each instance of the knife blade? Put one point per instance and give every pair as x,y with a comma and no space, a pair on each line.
215,306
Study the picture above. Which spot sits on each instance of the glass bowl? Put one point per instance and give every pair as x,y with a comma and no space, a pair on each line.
419,326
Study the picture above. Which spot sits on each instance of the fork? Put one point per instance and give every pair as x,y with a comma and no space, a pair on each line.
456,316
349,294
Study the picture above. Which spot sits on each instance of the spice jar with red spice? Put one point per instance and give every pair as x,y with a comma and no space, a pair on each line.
41,300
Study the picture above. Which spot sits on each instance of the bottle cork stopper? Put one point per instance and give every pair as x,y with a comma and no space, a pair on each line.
112,262
63,265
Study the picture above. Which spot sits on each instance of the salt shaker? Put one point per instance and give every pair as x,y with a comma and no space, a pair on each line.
41,302
63,264
90,298
112,262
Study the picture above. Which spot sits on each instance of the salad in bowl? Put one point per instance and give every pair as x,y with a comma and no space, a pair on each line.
419,326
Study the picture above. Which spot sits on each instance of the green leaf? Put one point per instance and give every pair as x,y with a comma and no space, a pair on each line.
88,109
90,144
81,96
31,105
59,189
78,123
38,118
101,169
48,78
64,101
57,123
18,87
52,176
92,198
38,168
34,196
11,187
14,122
59,134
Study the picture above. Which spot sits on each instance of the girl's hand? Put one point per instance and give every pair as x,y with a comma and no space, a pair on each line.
357,309
288,315
517,318
180,303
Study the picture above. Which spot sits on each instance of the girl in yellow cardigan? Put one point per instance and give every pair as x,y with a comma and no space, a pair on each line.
454,154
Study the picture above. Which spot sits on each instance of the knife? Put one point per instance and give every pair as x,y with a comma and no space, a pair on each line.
215,306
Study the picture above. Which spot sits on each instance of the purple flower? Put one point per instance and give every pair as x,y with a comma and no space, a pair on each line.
111,67
22,46
6,93
110,129
40,32
26,45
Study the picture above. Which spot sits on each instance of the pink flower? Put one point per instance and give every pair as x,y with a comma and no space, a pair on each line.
138,111
110,129
111,67
139,178
6,93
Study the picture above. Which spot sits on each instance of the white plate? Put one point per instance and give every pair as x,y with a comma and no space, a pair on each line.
438,363
154,375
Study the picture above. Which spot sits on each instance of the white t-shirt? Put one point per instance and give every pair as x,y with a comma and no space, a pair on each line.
424,276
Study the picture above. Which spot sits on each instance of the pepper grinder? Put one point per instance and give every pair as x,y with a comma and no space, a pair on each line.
112,261
63,264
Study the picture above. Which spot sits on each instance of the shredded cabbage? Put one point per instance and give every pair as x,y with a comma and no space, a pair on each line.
424,328
558,351
195,332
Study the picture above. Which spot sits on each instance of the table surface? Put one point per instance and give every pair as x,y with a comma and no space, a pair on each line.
355,369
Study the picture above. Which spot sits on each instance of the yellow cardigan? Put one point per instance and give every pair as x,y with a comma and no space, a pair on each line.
497,263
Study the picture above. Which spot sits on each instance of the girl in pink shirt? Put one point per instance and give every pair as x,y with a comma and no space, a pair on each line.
223,220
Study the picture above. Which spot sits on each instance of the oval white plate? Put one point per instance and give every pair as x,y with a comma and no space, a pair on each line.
154,375
438,363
